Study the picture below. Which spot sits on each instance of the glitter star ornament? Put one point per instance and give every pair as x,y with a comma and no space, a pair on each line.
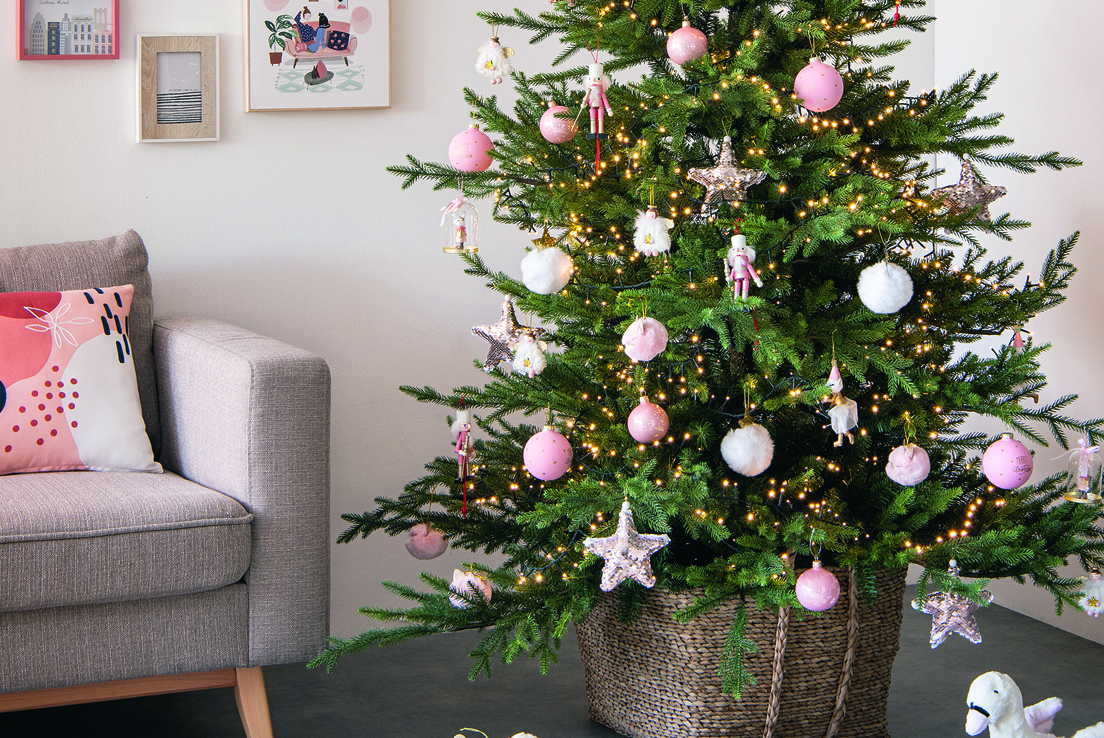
503,335
727,180
951,613
968,194
627,553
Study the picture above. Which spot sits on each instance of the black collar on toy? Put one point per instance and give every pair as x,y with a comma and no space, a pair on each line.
982,710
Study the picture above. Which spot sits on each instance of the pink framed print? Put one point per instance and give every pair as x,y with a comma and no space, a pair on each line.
68,29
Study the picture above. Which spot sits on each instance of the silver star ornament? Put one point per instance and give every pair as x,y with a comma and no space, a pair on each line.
503,336
968,194
727,180
951,613
627,553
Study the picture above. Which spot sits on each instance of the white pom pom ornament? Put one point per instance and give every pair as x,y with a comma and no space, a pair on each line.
651,237
468,583
908,465
748,450
546,271
885,287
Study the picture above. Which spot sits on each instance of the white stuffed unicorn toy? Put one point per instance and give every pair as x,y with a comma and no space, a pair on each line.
995,702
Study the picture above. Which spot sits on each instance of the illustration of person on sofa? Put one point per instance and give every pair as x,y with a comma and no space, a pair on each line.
321,39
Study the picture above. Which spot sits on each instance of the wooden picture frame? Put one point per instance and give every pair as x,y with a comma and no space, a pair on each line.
283,49
75,29
178,88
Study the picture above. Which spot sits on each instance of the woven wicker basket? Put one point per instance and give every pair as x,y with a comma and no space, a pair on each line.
817,678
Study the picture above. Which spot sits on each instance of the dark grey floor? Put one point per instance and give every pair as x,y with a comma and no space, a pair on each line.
420,690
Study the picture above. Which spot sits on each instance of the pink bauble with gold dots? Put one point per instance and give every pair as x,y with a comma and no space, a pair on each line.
554,127
687,44
817,589
1007,463
648,422
468,151
547,455
819,86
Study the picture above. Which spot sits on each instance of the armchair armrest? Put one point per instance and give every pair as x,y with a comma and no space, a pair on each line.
249,416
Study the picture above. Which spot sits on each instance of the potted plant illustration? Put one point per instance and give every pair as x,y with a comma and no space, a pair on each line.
279,34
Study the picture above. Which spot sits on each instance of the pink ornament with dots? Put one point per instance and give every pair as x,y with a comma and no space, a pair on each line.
554,127
648,422
687,44
469,149
1007,463
817,589
547,455
818,86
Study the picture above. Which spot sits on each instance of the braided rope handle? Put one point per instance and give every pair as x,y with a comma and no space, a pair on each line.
849,657
780,636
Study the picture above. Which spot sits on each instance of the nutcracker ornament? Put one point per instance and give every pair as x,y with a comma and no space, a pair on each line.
738,267
461,433
461,223
494,59
595,99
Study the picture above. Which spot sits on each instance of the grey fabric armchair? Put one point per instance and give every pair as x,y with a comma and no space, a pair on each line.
121,584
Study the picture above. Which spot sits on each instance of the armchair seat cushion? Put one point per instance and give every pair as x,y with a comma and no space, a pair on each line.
75,538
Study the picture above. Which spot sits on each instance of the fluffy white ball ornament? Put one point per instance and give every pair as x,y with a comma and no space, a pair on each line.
546,271
885,287
748,449
908,465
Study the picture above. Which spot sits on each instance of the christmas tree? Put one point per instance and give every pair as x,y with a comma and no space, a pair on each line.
818,413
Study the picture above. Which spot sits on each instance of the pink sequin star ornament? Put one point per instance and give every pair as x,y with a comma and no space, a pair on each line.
951,613
727,181
503,336
968,194
627,553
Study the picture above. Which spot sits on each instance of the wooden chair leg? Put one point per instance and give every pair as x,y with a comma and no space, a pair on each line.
249,693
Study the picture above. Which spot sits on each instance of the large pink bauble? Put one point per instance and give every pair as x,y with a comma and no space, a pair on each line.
468,150
547,455
648,422
818,86
1007,463
645,339
424,542
687,44
555,129
817,589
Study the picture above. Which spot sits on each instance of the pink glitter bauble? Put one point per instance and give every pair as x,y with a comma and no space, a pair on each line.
818,86
556,129
424,542
468,150
645,339
817,589
648,422
547,455
1007,463
687,44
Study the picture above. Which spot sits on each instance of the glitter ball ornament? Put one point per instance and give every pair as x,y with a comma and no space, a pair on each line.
546,271
470,584
818,86
1007,463
547,455
687,44
817,589
885,287
748,450
469,149
951,613
1092,594
908,465
424,542
627,553
557,125
645,339
648,422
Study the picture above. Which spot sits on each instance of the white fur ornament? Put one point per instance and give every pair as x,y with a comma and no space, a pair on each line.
425,542
908,465
470,584
748,450
493,61
645,339
996,703
529,355
546,271
651,237
885,287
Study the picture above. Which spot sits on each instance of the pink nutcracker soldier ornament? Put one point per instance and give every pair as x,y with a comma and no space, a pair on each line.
461,431
595,98
738,267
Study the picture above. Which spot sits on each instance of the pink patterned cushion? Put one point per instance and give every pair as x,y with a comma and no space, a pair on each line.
68,396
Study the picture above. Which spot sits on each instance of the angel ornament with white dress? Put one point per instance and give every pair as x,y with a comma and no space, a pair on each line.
844,412
494,60
651,237
529,354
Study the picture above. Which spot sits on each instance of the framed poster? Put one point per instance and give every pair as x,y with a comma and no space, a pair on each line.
69,29
317,56
178,90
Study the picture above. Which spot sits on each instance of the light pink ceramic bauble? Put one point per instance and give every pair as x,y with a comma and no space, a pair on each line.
687,44
648,422
818,86
817,589
908,465
468,150
1007,463
468,583
645,339
547,455
556,129
423,542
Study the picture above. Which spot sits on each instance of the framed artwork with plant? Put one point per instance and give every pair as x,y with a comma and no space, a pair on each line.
279,33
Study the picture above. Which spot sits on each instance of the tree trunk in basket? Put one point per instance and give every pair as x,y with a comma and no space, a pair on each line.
658,679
